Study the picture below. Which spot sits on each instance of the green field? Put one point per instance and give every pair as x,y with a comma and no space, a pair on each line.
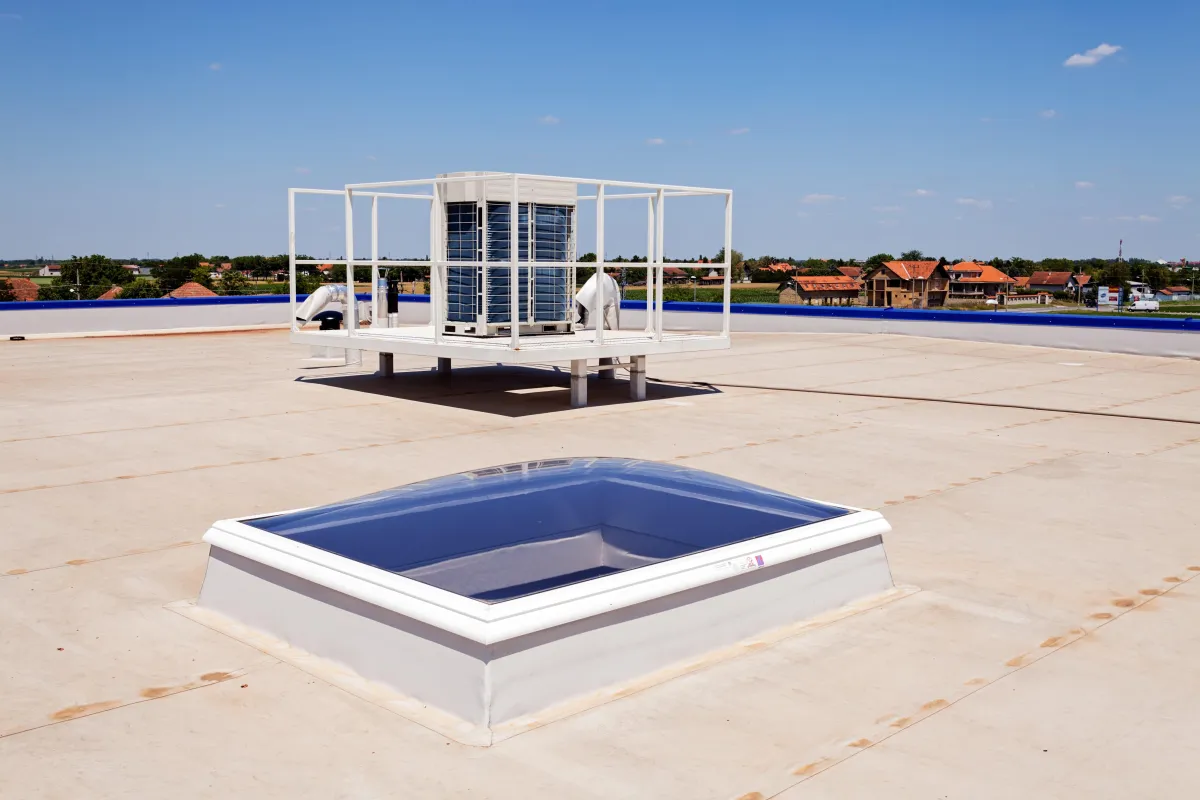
709,294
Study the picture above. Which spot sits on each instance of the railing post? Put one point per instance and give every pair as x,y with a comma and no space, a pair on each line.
651,281
725,319
598,311
292,256
436,296
514,242
375,323
660,210
351,317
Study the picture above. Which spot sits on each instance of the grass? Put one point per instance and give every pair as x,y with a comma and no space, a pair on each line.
709,294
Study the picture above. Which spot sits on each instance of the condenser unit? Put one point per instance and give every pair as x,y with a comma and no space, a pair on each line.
478,231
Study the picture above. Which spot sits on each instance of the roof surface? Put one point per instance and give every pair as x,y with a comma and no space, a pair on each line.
828,283
981,273
850,272
1050,278
111,294
191,289
23,289
1045,526
910,270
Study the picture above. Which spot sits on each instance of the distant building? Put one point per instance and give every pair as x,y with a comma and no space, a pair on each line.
111,294
825,290
191,289
675,275
50,271
1171,293
137,270
1053,282
908,284
980,282
23,289
851,272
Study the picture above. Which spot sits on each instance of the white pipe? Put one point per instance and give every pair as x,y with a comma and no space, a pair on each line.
292,253
349,318
514,242
327,295
600,282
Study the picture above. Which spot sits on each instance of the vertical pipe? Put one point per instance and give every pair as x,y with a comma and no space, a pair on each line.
481,231
660,210
598,298
436,297
292,254
351,319
728,263
650,282
375,315
514,243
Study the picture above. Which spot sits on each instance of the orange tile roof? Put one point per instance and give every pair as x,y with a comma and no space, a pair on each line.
111,294
781,266
1083,280
912,270
851,272
1050,278
23,289
981,273
828,283
191,289
1022,281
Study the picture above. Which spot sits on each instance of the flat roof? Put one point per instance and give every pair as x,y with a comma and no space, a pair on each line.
1044,524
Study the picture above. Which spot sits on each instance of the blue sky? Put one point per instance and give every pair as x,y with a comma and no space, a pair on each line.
843,128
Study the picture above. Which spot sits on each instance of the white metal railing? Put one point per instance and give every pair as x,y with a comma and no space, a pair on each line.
437,264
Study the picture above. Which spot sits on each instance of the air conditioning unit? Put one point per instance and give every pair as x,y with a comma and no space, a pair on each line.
478,231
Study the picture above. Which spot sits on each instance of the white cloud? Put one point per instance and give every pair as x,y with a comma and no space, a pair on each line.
11,16
549,119
1087,219
219,205
801,213
1091,58
1178,200
303,170
1084,185
739,131
655,141
215,66
922,193
974,203
1138,218
372,158
1048,113
817,199
985,120
887,209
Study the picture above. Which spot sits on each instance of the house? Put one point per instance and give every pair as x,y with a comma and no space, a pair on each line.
50,271
137,270
1021,282
1083,279
972,281
23,289
851,272
908,284
1053,282
825,290
111,294
191,289
1171,293
675,275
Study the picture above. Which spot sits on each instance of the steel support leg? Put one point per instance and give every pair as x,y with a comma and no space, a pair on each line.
443,367
579,383
607,374
386,362
637,378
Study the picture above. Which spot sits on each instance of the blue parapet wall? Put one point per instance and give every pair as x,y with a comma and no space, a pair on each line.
1115,320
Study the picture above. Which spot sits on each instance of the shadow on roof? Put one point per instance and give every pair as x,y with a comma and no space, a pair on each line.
509,391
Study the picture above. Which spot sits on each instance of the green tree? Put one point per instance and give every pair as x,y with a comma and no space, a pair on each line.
200,275
877,260
176,272
911,255
139,289
87,277
588,258
736,258
233,282
307,284
816,268
6,292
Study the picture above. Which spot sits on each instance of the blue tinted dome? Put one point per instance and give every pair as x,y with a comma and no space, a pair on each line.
503,532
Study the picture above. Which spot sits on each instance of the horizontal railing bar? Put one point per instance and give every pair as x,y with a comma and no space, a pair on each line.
501,177
342,193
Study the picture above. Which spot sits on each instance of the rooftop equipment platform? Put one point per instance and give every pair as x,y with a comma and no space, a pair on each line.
499,596
473,267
